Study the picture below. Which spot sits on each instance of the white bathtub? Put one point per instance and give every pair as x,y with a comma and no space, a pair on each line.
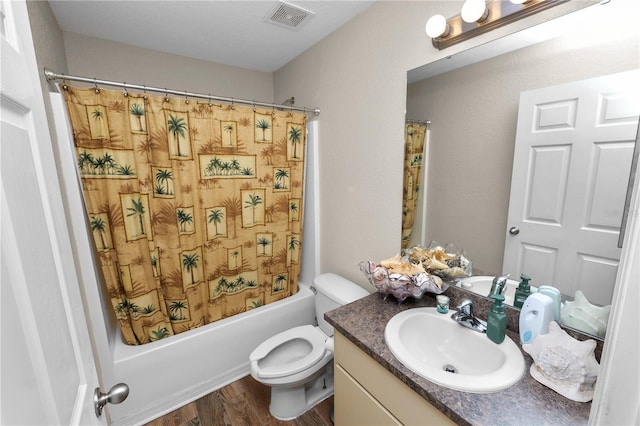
169,373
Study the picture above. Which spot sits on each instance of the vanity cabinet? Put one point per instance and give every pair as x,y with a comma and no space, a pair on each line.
367,394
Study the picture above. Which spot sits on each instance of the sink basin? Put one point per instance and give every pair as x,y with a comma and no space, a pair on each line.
482,285
437,348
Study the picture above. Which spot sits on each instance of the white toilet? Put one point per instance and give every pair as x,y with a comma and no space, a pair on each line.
296,363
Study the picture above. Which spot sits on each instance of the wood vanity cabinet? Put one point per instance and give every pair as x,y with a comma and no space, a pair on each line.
367,394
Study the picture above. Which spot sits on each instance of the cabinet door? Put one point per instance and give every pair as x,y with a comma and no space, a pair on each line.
401,402
355,406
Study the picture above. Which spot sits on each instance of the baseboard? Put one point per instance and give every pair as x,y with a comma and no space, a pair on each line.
165,406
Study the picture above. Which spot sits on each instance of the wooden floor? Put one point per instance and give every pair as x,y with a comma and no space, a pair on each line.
244,402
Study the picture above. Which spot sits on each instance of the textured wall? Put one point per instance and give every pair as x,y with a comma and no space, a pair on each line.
93,57
47,36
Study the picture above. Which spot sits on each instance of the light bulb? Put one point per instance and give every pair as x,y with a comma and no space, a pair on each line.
474,11
437,26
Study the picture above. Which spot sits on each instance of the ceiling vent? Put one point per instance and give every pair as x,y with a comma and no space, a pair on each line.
288,16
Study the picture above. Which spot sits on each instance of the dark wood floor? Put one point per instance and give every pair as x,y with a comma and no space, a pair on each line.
244,402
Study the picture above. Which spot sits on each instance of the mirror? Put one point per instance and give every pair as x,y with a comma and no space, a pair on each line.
473,111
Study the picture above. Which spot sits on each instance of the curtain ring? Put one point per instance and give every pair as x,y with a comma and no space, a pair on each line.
144,96
96,86
186,99
254,105
166,95
233,107
273,109
209,97
126,94
64,85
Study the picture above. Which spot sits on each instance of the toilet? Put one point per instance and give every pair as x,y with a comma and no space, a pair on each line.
297,363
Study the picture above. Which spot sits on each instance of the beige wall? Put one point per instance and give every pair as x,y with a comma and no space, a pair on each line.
48,44
76,54
473,113
357,77
47,37
93,57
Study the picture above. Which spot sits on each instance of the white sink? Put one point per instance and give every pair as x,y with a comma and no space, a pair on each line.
430,343
482,285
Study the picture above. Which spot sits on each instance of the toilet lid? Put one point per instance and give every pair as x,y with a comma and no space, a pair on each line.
309,333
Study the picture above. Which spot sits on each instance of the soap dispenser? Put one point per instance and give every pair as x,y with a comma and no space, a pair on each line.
535,316
497,319
554,294
522,292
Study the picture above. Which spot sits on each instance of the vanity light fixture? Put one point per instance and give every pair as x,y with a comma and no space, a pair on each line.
474,11
437,27
480,16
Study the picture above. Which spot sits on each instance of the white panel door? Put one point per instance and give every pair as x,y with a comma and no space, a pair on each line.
47,369
571,163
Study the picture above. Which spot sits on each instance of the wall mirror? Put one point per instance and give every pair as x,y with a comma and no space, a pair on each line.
472,101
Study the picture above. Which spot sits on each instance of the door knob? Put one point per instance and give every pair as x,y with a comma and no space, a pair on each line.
514,230
116,395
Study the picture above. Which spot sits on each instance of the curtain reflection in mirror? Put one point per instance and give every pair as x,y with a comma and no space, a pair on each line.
414,142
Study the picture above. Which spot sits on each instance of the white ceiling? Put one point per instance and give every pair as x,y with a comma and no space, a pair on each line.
231,32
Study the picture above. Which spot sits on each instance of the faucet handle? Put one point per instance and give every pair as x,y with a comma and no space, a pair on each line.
498,285
465,307
465,317
502,277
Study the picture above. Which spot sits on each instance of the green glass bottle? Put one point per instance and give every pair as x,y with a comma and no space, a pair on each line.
523,291
497,320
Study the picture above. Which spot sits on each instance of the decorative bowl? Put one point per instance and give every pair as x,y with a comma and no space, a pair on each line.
399,285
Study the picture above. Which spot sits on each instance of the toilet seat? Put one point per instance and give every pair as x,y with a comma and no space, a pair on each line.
311,334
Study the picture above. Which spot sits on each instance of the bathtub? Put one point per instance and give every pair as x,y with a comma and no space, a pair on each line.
169,373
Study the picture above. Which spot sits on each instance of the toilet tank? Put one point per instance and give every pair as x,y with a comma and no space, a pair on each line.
333,291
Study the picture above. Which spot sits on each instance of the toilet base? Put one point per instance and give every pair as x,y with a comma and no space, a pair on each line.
287,403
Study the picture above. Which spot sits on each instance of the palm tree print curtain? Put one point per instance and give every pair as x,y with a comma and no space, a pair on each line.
413,156
195,209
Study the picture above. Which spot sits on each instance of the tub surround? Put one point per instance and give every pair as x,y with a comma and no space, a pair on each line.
191,364
363,322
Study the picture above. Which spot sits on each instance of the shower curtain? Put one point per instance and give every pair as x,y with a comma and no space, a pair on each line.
195,208
413,155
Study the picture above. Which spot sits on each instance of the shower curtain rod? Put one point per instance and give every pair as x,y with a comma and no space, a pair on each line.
51,75
427,122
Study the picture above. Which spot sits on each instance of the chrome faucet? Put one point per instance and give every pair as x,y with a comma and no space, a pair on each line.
498,285
465,317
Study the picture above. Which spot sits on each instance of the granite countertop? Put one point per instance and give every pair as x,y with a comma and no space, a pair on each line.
526,402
